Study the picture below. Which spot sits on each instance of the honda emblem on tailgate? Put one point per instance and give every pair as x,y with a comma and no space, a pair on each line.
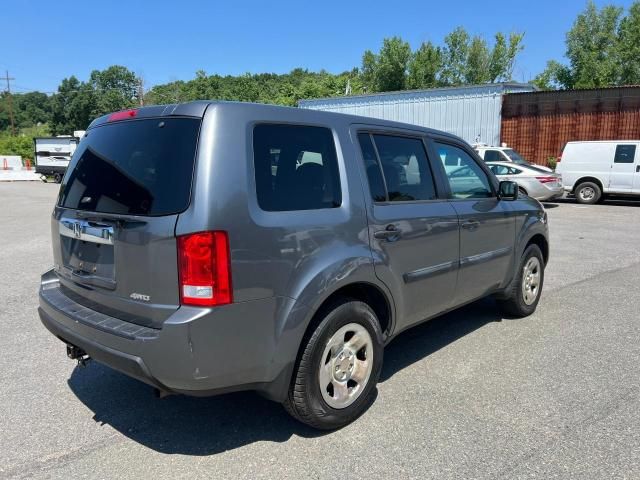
77,229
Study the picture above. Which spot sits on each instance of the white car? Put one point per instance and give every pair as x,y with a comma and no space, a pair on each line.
591,170
532,181
504,154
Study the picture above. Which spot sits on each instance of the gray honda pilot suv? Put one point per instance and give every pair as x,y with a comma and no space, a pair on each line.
212,247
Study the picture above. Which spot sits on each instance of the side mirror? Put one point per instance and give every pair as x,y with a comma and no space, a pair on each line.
508,190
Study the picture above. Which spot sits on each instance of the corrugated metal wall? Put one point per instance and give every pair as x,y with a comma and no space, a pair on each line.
469,112
539,124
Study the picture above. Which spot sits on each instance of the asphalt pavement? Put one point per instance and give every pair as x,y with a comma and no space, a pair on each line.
468,395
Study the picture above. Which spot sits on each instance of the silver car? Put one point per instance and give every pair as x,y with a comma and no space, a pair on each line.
532,181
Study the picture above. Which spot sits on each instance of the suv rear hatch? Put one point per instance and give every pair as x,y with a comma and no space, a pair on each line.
114,224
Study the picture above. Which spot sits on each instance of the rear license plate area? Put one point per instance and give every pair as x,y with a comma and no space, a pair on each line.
88,259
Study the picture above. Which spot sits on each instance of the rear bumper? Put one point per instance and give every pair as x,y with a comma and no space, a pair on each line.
197,352
549,193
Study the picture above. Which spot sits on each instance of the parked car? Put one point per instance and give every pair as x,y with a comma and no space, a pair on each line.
593,170
504,154
212,247
532,181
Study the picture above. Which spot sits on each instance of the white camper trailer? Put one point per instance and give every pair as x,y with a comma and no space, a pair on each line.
52,155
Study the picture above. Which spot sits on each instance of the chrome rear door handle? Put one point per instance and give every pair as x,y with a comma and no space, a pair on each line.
391,233
470,225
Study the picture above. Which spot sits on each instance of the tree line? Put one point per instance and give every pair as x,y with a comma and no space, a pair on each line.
602,49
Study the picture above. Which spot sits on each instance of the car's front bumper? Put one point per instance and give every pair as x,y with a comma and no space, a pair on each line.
198,351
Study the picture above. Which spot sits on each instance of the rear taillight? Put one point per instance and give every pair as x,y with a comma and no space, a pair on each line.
123,115
547,179
204,269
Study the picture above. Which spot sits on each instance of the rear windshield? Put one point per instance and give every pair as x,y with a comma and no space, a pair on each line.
136,167
515,157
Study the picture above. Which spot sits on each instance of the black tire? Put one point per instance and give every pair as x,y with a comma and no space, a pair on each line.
305,401
522,192
57,178
513,303
588,193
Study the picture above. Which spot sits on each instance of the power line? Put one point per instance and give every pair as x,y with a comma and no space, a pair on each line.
10,101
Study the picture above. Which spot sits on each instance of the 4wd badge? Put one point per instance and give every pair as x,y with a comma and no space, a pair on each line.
139,296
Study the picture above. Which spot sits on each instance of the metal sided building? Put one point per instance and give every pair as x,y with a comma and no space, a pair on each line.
471,112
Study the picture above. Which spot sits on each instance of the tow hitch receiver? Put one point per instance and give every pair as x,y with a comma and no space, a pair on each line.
75,353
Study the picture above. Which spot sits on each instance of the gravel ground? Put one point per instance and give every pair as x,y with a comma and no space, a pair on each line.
468,395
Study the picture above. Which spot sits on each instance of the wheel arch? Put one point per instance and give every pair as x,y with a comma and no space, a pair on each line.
585,179
542,243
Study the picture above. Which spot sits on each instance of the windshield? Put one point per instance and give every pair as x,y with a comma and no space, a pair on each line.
137,167
515,156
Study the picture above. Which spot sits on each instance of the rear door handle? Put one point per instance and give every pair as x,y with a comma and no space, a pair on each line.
637,168
391,233
470,224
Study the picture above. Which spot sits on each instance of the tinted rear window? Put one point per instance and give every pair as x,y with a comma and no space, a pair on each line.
141,167
296,168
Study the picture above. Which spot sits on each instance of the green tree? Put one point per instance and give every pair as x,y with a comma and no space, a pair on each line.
477,65
629,46
454,56
593,51
392,64
77,103
369,70
387,70
503,56
425,66
115,88
72,106
16,145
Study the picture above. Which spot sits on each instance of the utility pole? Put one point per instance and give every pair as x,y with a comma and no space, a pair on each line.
10,101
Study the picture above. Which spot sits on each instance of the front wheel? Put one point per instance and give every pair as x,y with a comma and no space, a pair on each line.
524,294
338,368
57,177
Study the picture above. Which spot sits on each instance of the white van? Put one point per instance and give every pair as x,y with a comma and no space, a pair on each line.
591,170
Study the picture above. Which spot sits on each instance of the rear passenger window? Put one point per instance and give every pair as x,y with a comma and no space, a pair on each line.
500,170
405,168
372,167
625,154
295,167
492,156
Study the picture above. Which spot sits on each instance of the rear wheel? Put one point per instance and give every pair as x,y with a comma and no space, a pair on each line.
524,293
337,372
57,177
588,193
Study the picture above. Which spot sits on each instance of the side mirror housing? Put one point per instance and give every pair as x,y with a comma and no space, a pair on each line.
508,190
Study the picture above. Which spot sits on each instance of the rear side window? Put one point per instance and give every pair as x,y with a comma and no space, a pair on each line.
492,156
625,154
405,168
137,167
295,168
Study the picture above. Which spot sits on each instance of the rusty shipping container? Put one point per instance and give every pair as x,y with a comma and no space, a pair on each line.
539,124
